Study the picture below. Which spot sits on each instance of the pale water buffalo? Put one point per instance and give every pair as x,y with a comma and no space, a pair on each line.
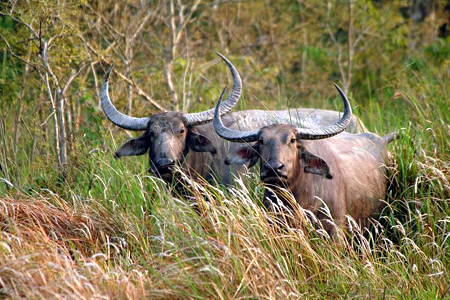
345,171
174,138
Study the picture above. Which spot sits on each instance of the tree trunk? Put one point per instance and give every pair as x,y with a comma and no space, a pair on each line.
170,85
68,119
350,48
129,58
19,110
62,130
55,119
304,52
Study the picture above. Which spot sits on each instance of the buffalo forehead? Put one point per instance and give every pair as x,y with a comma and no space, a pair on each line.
169,121
278,131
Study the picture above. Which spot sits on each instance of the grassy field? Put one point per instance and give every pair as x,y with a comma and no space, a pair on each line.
112,230
109,230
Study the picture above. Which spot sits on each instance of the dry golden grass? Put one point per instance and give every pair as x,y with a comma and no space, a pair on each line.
51,250
229,247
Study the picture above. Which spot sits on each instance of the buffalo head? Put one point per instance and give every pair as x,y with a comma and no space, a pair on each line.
168,136
280,147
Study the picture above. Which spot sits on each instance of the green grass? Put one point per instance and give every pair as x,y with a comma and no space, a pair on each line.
112,230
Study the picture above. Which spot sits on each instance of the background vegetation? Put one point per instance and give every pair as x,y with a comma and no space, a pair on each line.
75,223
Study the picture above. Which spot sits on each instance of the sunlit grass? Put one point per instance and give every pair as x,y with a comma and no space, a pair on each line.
112,230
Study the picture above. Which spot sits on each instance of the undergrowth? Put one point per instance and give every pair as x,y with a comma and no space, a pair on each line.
111,230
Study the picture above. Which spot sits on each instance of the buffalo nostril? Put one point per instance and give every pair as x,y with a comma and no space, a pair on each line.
164,162
273,166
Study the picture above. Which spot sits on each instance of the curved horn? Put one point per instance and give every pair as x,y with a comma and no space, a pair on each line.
329,131
227,105
116,116
229,134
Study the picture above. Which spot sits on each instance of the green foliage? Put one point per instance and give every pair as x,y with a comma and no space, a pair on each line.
121,233
439,51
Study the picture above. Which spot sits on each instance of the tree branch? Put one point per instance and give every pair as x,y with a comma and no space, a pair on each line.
140,91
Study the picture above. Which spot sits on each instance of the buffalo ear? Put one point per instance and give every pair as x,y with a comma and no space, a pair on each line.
136,146
315,164
243,155
200,143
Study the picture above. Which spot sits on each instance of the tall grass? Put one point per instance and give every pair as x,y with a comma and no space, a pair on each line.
111,230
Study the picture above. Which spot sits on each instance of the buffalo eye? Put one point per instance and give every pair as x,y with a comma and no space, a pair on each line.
181,131
293,141
261,141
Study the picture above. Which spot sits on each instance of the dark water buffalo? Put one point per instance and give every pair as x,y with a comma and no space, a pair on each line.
173,138
169,137
345,171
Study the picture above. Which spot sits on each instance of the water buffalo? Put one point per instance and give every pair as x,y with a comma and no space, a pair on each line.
173,137
170,136
345,171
